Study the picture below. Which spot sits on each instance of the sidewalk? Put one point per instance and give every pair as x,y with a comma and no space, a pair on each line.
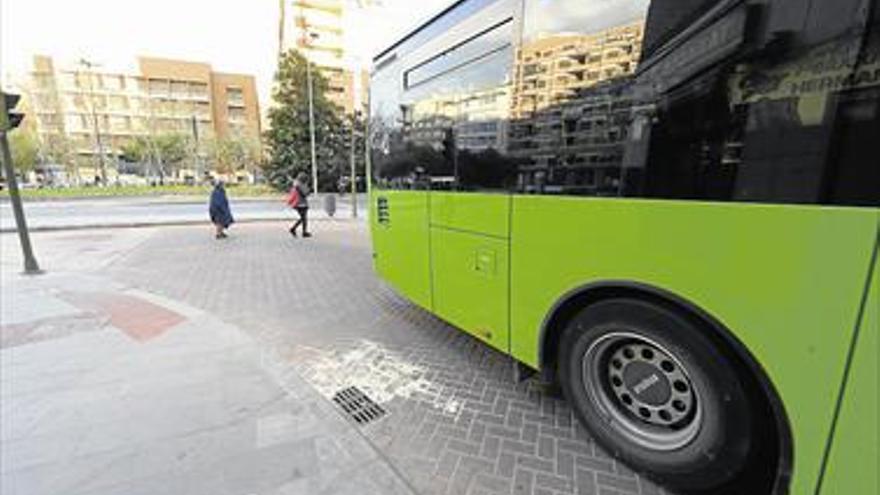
273,311
106,389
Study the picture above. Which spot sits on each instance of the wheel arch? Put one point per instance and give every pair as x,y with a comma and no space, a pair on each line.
579,298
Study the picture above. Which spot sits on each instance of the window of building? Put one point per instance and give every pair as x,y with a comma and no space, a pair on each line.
203,109
179,89
198,90
237,114
159,87
119,123
73,122
113,82
118,102
235,95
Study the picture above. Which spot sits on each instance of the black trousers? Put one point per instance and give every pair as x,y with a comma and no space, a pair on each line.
303,220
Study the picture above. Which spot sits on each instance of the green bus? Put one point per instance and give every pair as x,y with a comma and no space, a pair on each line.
671,207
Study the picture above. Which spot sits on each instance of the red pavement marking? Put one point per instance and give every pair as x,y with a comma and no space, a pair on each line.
12,335
136,317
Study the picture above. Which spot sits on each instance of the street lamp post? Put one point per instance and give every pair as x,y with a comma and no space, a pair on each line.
354,206
312,119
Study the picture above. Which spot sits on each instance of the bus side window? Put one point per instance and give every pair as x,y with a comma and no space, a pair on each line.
572,102
794,125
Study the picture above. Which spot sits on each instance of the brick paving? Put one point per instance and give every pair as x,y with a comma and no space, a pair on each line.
106,389
457,422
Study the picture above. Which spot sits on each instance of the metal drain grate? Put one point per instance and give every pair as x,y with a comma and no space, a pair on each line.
358,405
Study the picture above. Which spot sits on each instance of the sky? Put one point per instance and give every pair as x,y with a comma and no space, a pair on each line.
231,35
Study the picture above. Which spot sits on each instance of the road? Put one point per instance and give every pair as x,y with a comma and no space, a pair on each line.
57,214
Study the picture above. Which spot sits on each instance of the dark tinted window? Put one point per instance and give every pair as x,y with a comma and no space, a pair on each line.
668,17
735,104
732,112
787,120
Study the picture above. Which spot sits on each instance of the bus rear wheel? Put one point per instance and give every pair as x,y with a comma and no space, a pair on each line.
657,392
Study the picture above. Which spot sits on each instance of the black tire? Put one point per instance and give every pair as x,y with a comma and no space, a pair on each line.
694,448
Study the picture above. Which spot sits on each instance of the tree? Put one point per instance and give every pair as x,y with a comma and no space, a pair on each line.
57,148
173,148
25,149
166,152
235,153
288,139
136,150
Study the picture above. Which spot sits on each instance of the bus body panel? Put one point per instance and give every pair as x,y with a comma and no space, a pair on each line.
487,214
401,254
786,280
470,283
855,453
470,267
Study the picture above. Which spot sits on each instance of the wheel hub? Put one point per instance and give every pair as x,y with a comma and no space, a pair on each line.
646,383
642,388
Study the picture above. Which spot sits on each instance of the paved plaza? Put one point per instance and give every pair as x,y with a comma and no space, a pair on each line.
162,361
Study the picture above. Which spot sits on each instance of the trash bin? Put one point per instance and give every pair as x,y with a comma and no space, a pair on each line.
330,204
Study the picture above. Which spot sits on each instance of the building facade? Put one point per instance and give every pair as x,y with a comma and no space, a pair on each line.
316,28
99,111
570,109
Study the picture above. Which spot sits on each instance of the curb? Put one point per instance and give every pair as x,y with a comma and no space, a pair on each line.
179,223
160,198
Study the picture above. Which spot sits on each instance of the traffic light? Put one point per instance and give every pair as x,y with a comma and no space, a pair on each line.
9,118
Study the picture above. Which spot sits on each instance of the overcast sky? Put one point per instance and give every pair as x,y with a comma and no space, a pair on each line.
231,35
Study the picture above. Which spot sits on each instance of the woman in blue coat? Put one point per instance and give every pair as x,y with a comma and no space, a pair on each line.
221,216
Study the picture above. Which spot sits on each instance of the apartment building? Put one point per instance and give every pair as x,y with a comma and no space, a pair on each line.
571,107
316,28
552,70
477,120
99,110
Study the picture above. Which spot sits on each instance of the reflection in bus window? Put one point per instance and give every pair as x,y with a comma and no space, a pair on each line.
453,117
571,98
767,128
561,97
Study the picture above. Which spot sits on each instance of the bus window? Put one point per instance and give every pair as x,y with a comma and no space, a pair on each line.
384,129
785,123
450,129
571,102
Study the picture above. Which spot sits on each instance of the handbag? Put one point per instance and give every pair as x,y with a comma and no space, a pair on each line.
293,198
